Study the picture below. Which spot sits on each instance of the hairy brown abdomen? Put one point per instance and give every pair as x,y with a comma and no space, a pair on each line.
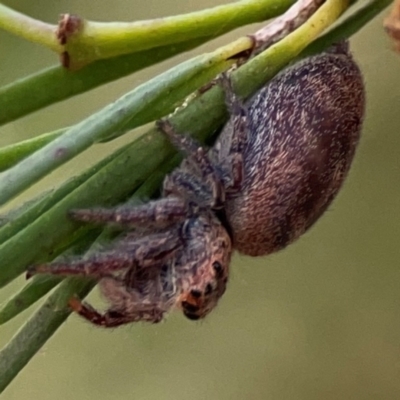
303,131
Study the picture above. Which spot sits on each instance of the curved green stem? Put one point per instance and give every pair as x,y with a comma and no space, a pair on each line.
86,41
14,153
39,328
29,28
351,25
96,40
147,102
56,83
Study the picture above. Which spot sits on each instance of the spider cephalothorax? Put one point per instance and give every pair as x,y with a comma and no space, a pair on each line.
274,170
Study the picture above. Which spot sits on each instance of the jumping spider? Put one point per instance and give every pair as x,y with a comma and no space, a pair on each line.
275,168
179,252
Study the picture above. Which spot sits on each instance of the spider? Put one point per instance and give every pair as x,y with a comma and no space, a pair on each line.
275,168
179,252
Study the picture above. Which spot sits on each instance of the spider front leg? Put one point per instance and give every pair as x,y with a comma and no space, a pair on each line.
146,251
197,160
128,303
111,318
96,266
238,125
159,212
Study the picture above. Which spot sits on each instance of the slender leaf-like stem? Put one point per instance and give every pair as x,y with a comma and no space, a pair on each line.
107,39
87,41
349,26
14,153
39,286
31,211
145,103
38,329
56,83
29,28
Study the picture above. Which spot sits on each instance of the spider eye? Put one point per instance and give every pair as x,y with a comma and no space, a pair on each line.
209,289
217,267
195,293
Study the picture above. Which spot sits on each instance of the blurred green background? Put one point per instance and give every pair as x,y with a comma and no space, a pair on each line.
320,320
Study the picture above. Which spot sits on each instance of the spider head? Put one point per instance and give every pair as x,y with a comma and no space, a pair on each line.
209,252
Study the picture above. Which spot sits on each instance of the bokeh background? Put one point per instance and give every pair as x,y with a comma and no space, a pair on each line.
320,320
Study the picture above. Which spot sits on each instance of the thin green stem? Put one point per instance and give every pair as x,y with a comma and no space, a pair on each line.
91,41
56,83
147,102
38,287
14,153
103,40
39,328
349,26
29,28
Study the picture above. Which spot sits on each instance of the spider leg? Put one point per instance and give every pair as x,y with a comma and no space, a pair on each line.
96,266
188,186
149,250
160,212
128,304
233,102
111,318
239,126
197,160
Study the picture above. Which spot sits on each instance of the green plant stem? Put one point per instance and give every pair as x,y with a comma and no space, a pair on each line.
34,209
351,25
12,154
29,28
38,287
56,83
99,40
39,328
108,39
147,102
